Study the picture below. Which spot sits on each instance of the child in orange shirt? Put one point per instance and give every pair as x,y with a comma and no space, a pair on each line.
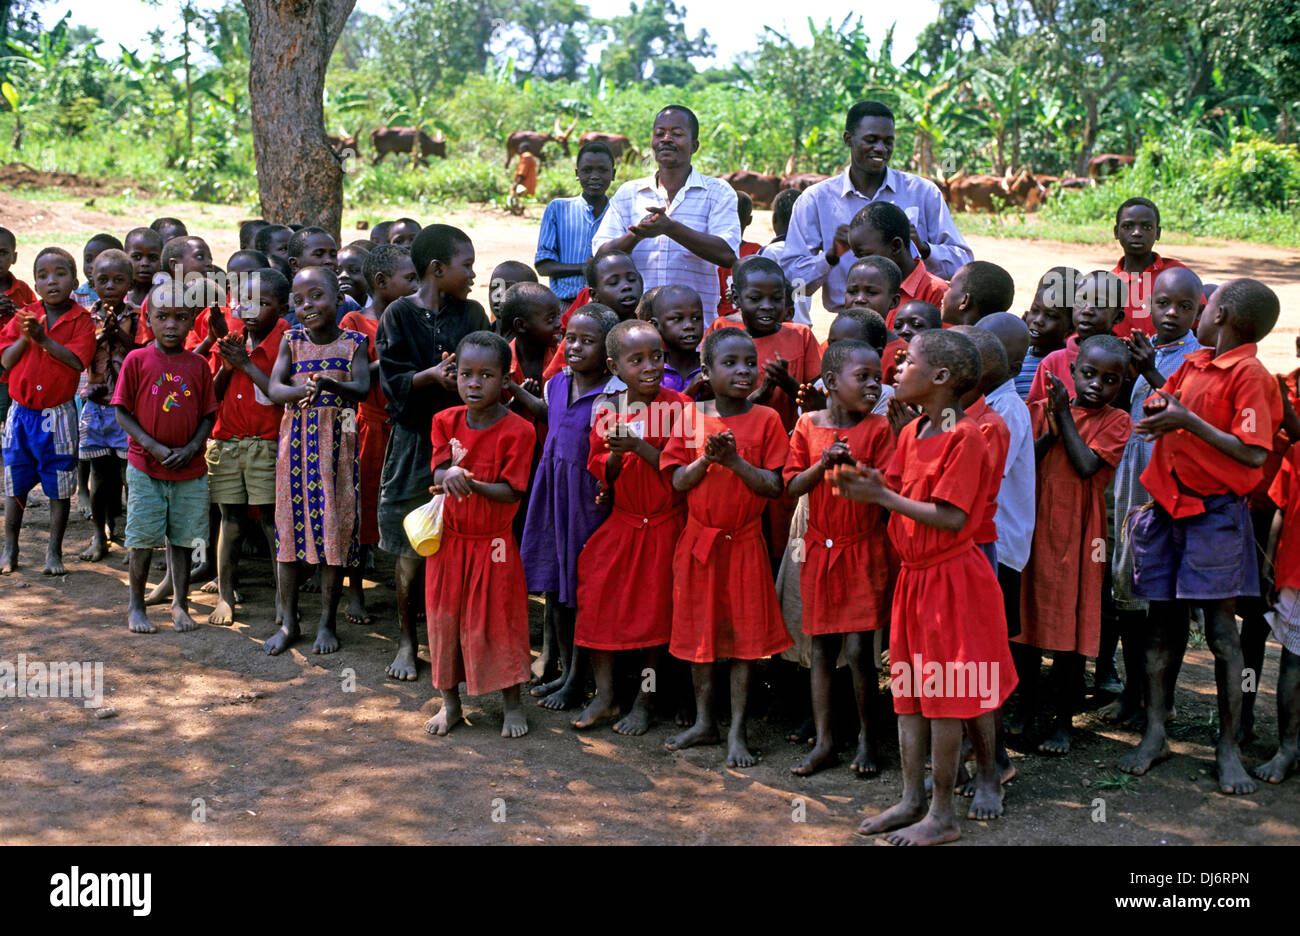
947,608
1213,422
846,579
728,459
1061,587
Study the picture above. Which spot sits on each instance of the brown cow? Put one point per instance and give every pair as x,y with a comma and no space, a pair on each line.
761,188
385,140
617,143
535,141
801,180
1111,162
1024,190
343,146
975,192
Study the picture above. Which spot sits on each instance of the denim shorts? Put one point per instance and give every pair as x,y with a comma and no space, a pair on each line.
1207,557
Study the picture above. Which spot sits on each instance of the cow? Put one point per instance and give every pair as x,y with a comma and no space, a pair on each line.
801,180
1024,190
617,143
343,146
385,140
535,141
975,192
1110,162
761,188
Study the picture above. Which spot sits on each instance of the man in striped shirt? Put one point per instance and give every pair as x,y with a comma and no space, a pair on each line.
818,235
564,241
678,225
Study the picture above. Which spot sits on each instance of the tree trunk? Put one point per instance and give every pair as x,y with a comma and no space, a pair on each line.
299,179
1089,133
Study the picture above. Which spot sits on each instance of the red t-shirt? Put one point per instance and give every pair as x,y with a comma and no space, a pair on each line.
1140,285
168,394
38,380
1058,362
20,293
1285,492
244,411
1234,393
747,248
920,284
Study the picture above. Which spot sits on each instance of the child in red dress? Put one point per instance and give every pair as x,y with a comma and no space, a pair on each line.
728,457
1284,618
1098,307
948,645
641,532
846,576
474,584
1061,587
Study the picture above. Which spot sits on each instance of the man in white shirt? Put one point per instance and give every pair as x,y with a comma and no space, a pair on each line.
818,235
678,225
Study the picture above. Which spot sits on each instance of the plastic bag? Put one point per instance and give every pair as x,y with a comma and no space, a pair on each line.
423,527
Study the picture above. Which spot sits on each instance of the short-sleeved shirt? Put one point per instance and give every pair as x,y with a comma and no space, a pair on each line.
703,204
1234,393
1058,363
169,395
39,380
1285,492
746,249
568,224
823,207
20,294
245,411
919,285
797,346
412,338
503,452
1140,285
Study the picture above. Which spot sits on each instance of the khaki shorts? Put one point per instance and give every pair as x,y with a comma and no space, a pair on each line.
241,471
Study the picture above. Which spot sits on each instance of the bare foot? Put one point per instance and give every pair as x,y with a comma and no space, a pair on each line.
822,755
561,699
1013,725
54,565
355,610
1115,711
182,621
278,642
447,719
515,724
967,789
865,763
405,666
222,613
96,551
1058,743
987,801
8,561
929,831
635,722
739,754
597,711
161,594
327,641
699,733
1233,777
895,817
1153,748
542,690
210,588
311,585
805,731
138,622
1276,770
684,717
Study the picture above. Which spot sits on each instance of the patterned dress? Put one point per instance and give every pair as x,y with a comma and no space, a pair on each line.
317,481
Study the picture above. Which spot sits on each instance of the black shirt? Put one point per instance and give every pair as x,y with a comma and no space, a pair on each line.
412,338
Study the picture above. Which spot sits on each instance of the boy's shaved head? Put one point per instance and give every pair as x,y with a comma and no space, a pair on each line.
928,310
871,327
838,354
385,259
112,257
618,336
145,234
1180,279
753,265
521,297
887,219
436,242
1252,307
515,271
1107,345
994,369
1102,289
942,348
660,296
990,286
1013,334
56,252
885,267
7,237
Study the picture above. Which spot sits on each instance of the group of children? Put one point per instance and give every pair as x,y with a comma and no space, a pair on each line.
978,486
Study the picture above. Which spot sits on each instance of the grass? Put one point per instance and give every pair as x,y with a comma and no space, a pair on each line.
1279,231
1114,780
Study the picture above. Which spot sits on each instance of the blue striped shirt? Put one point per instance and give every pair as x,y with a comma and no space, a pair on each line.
565,237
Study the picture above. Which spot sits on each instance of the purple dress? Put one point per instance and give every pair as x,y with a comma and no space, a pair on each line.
562,511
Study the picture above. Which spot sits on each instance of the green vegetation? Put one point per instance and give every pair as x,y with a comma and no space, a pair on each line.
1204,92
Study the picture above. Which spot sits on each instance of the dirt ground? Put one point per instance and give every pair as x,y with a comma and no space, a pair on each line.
279,751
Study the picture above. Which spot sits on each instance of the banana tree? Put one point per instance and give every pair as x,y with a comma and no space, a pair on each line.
932,99
1001,91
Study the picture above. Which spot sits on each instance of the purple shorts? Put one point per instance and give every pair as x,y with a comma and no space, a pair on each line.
1204,558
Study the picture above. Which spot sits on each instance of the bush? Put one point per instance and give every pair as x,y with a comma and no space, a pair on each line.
1256,173
458,179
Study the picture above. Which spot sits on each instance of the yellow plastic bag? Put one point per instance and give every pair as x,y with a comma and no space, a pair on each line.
423,527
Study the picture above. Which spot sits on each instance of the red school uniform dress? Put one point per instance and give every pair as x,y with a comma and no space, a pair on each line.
1058,363
847,575
747,249
947,610
724,601
1060,588
921,285
796,344
1285,493
372,433
998,438
475,598
1136,314
1260,498
636,540
1233,392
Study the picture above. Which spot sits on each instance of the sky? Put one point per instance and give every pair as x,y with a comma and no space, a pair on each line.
128,21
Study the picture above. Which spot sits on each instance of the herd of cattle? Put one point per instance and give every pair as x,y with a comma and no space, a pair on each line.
975,192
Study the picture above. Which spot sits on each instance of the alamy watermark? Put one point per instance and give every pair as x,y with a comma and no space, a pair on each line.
56,679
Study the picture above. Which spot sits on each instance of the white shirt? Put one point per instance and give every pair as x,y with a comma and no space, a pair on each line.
825,206
1016,504
802,301
704,204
